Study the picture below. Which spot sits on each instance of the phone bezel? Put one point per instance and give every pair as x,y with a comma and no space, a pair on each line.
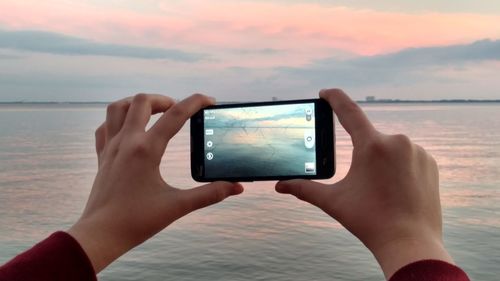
325,142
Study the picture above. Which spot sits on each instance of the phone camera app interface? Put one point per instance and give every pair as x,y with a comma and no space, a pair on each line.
260,141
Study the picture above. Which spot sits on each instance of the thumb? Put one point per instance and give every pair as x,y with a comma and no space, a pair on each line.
209,194
313,192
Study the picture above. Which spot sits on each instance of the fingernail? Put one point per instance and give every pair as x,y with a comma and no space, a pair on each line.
237,189
322,91
281,188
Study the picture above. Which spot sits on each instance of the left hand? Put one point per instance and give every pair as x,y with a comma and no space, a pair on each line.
130,202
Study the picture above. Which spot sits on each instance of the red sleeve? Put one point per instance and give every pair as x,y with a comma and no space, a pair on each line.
57,258
430,270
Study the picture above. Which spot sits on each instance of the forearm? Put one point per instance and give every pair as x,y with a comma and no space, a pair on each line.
57,258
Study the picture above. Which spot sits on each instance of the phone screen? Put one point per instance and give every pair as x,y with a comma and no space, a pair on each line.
262,141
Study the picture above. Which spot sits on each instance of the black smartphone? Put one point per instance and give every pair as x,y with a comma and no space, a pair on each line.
263,141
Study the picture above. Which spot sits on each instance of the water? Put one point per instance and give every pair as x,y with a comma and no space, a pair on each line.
47,165
263,136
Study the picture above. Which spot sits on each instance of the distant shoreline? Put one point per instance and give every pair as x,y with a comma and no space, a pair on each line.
429,101
52,102
378,101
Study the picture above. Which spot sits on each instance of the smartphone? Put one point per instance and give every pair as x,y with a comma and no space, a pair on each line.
263,141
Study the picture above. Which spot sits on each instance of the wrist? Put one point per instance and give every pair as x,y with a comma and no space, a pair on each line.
100,247
395,254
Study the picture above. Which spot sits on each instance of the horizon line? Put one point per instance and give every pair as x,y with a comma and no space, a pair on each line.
358,101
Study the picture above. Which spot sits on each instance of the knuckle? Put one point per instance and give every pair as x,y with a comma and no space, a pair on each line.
116,106
426,156
202,99
169,100
299,192
100,131
402,140
177,111
140,98
432,160
419,149
403,144
332,91
198,96
113,107
377,146
337,91
218,195
139,148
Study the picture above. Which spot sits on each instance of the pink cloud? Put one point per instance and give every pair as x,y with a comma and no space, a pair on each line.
306,31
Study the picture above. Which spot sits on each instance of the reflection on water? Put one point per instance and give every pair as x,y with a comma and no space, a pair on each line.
262,149
47,165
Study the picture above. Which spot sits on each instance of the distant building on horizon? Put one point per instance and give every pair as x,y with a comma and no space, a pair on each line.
370,98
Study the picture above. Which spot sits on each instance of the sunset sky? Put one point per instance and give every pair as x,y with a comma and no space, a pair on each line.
64,50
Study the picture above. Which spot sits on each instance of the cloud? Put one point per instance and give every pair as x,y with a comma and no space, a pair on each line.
403,67
480,50
456,71
262,51
446,6
305,27
59,44
9,57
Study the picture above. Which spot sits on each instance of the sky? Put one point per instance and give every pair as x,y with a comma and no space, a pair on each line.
65,50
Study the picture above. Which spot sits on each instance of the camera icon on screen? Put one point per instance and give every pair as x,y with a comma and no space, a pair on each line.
210,156
309,113
209,145
310,167
309,138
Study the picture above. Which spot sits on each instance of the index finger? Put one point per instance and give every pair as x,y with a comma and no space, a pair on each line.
173,119
350,115
142,107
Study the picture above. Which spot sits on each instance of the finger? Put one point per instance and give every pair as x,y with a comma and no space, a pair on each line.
142,107
115,116
174,118
350,115
209,194
318,194
100,138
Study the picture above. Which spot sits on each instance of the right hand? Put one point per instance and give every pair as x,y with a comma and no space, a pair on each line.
389,199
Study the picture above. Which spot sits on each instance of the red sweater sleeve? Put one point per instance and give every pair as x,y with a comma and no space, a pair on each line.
430,270
57,258
60,257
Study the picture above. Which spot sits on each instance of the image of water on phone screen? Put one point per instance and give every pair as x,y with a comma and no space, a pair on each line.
260,141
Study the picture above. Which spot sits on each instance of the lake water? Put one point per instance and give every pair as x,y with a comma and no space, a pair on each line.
47,165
